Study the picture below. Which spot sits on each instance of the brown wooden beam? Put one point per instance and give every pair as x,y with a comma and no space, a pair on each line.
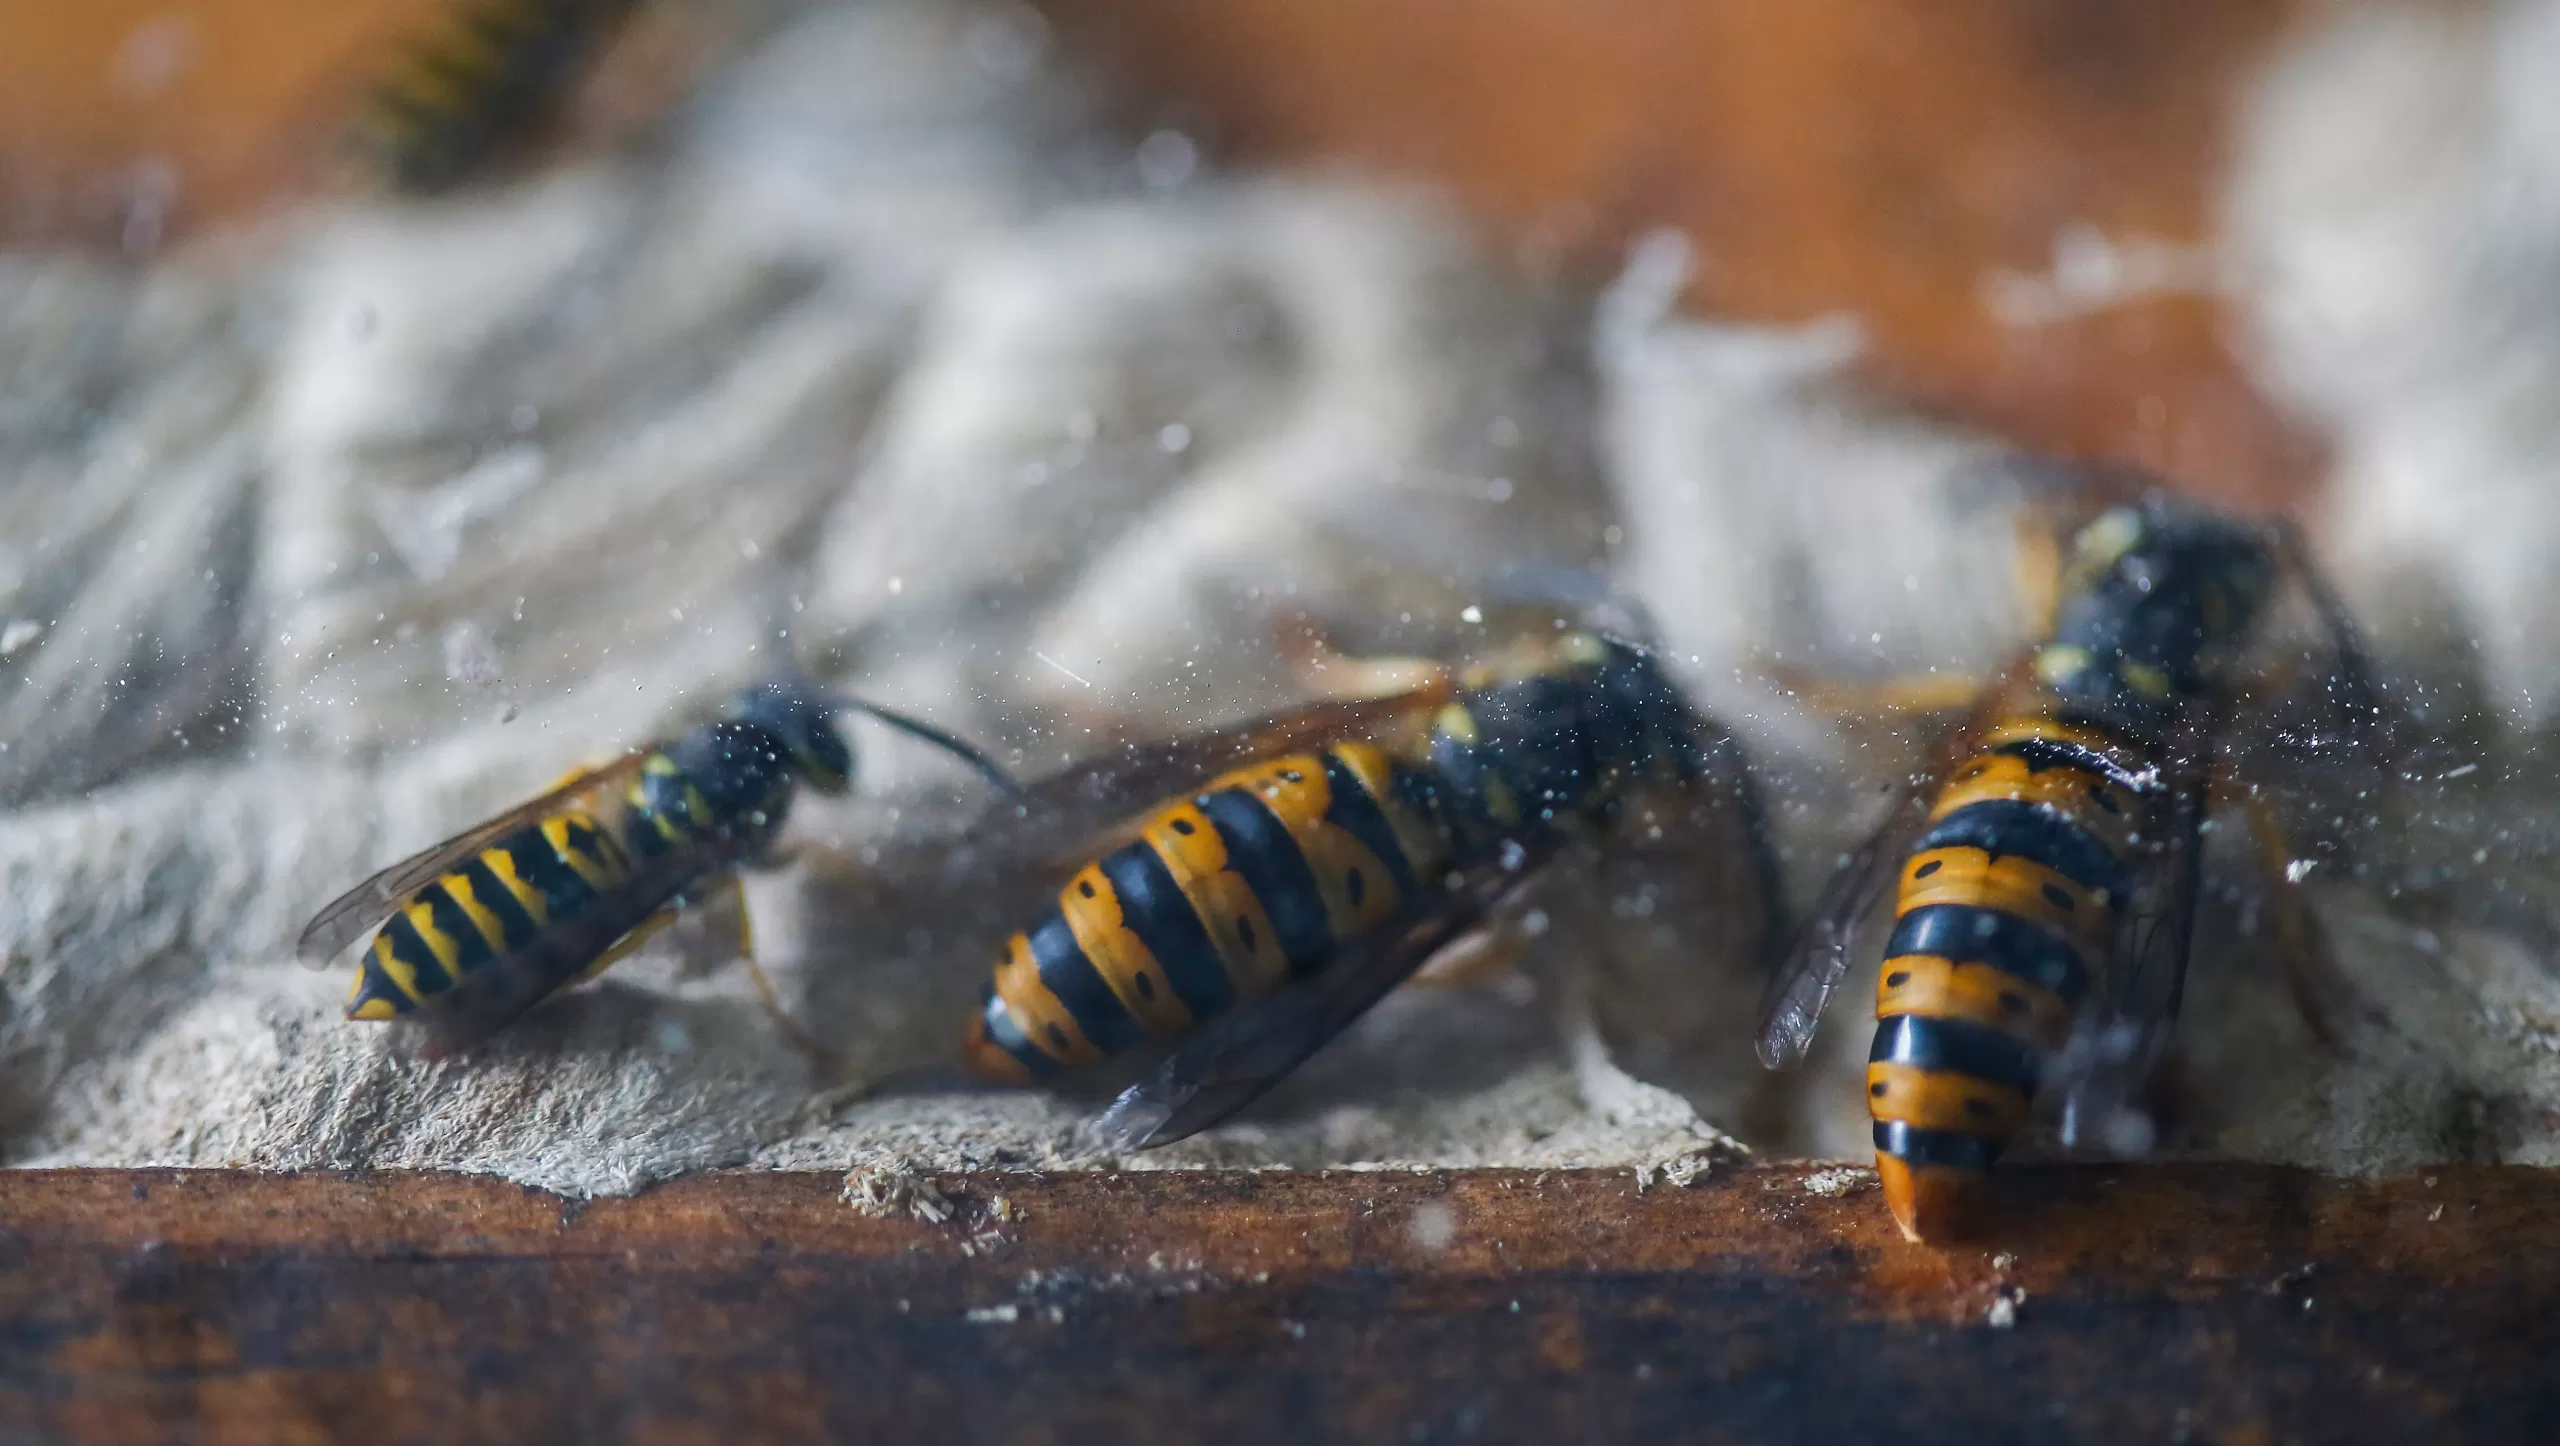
2228,1303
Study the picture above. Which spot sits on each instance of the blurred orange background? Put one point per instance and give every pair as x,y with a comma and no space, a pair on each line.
1825,156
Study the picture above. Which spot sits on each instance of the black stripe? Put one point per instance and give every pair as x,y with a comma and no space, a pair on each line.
1155,909
1006,1032
641,837
470,950
1080,987
425,968
1358,814
494,896
1936,1147
377,985
1956,1046
2040,754
1259,848
563,892
1971,935
2015,828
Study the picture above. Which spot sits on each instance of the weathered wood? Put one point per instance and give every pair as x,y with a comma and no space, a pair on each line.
2231,1303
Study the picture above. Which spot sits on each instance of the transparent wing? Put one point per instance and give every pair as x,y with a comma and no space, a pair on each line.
1069,814
1792,1006
356,912
1811,967
2117,1043
1231,1062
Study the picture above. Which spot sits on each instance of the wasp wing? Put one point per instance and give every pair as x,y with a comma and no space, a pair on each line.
2116,1046
1089,805
497,993
1814,960
1230,1062
358,910
1792,1005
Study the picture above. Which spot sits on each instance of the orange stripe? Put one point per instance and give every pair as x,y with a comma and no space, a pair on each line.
1295,790
1045,1021
2107,810
1124,961
1933,1099
2010,884
1933,988
1193,851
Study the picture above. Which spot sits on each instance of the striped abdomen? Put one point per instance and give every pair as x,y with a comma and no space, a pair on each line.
1259,878
492,70
2006,910
497,903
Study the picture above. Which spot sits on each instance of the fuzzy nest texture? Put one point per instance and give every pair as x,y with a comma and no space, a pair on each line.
322,542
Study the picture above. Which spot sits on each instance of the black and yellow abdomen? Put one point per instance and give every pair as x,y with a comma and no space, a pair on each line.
499,902
698,804
1259,878
2005,912
486,73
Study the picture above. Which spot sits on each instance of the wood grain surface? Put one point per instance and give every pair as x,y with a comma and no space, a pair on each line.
2236,1304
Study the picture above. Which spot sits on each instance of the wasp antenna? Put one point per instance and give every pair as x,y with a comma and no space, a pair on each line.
968,753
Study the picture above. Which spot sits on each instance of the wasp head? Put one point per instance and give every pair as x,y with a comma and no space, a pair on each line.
2159,597
803,719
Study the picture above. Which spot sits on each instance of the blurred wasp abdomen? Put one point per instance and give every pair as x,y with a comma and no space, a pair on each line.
489,74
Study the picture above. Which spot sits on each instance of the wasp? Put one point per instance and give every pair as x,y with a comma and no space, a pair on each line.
1337,848
2045,872
488,74
471,933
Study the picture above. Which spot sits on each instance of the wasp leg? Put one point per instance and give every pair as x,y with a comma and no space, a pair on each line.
1472,959
622,947
2300,944
783,1024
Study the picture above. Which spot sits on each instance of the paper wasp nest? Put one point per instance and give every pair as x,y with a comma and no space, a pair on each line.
882,359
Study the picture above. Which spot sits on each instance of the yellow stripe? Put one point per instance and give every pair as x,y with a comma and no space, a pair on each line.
503,864
623,946
1936,988
2108,811
1933,1099
422,918
2147,680
1295,790
459,887
597,870
1193,851
1045,1021
2010,884
1094,915
402,975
